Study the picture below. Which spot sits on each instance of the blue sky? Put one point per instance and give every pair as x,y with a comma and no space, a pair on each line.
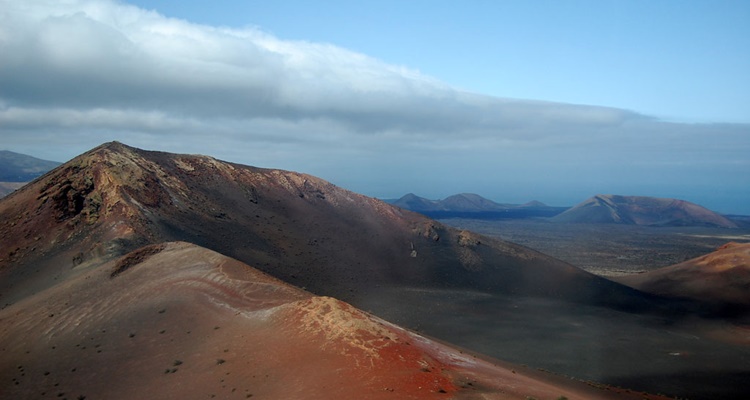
546,100
678,60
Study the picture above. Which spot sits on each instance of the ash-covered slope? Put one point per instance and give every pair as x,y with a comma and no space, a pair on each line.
176,321
641,210
296,227
722,277
488,295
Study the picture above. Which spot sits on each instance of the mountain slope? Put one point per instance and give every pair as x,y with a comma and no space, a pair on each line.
16,167
488,294
174,321
719,277
7,188
294,226
640,210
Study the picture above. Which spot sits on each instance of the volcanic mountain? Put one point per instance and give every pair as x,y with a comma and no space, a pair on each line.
16,169
84,222
470,204
720,277
175,320
462,202
640,210
293,226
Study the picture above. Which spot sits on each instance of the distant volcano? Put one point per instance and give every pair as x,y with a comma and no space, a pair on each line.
462,202
640,210
470,205
88,259
16,167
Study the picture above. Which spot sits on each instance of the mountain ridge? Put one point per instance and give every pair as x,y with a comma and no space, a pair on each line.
400,265
461,202
17,167
131,197
642,210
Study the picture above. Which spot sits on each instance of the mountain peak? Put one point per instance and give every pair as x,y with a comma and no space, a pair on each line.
642,210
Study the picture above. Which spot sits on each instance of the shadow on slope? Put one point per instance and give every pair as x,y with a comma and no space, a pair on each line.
302,230
185,322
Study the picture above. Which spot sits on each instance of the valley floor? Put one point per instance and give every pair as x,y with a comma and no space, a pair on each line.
607,249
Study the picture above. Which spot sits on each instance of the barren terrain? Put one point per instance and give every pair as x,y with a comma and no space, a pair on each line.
607,249
486,294
176,321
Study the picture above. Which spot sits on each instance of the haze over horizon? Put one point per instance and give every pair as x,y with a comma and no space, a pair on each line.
515,101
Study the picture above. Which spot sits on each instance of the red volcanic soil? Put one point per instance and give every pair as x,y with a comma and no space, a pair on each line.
719,277
176,321
58,230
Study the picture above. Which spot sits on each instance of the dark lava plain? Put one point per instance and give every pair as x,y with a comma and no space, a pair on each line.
674,356
607,249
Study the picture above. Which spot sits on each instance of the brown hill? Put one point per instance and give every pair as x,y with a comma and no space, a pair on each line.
488,294
719,277
296,227
640,210
176,321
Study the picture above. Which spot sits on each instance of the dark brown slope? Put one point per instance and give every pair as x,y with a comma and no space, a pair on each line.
641,210
721,277
294,226
176,321
456,285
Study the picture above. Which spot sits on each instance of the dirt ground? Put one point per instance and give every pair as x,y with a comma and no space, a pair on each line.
683,357
607,249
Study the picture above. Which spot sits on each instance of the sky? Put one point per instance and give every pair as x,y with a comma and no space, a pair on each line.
513,100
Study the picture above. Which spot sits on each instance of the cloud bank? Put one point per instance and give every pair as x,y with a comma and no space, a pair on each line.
76,73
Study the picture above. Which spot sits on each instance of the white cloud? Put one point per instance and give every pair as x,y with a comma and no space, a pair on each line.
78,73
